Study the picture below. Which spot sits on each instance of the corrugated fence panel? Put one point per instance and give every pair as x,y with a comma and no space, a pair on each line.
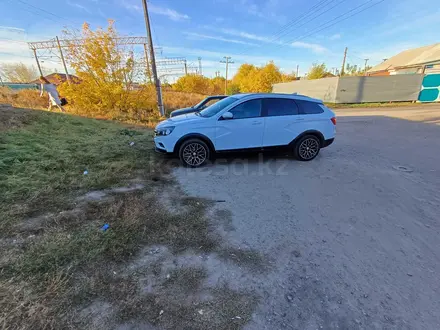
324,89
379,89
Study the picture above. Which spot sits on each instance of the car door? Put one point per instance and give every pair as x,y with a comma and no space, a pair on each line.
283,121
244,130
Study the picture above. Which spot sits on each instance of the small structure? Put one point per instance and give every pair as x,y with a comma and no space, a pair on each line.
57,78
424,60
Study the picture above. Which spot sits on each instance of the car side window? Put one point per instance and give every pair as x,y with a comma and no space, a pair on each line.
309,108
248,109
280,107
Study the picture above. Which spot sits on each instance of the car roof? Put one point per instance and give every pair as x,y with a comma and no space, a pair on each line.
277,95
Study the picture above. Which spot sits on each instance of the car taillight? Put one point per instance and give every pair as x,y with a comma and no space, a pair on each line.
333,120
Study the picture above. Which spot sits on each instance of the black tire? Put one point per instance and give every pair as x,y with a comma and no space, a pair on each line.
188,150
307,148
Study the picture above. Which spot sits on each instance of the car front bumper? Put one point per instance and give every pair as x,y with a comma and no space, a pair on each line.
164,144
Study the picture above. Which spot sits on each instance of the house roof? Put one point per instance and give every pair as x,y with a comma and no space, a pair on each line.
410,57
56,78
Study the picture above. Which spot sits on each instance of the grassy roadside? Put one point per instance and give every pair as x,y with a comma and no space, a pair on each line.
58,269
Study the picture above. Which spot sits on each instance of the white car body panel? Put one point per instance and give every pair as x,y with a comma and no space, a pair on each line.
243,133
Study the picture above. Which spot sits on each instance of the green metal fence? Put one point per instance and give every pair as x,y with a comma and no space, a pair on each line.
430,91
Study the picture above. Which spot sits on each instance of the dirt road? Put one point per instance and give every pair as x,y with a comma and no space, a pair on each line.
353,236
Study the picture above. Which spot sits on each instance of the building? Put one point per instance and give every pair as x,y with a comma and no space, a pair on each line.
424,60
57,78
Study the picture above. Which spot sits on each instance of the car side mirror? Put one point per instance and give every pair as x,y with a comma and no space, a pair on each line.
227,115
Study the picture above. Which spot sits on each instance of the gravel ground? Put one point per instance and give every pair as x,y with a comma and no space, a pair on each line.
353,236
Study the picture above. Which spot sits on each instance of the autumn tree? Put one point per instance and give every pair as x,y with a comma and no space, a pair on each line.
252,79
354,70
318,71
106,72
217,86
245,78
18,72
192,83
287,77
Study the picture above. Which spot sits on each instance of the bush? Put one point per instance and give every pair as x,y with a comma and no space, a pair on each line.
142,104
25,98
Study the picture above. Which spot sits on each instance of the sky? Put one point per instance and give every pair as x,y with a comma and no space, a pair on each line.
290,33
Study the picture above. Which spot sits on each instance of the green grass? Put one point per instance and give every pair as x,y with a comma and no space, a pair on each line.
43,163
56,261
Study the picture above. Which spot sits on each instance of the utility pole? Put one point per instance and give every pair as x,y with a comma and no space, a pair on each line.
62,59
200,65
365,67
153,60
186,67
227,58
297,71
147,61
38,62
343,62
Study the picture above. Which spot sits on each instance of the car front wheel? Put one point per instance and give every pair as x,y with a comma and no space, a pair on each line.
194,153
307,148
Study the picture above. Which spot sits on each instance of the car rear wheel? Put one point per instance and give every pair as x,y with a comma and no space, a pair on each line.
307,148
194,153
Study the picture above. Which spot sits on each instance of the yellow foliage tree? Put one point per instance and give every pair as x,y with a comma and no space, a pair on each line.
106,75
245,78
217,86
251,79
192,83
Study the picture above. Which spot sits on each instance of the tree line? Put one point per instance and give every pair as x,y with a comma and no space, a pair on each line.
320,70
109,77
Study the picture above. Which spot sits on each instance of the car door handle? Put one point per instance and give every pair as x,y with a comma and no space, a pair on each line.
257,122
299,119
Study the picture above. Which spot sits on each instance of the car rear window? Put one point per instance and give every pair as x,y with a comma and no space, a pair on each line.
309,108
280,107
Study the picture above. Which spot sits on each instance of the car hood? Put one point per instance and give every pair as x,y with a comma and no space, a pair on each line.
183,111
179,120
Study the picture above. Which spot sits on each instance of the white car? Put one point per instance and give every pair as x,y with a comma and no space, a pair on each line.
249,121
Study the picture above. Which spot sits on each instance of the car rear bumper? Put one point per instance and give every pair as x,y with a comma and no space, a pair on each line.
326,143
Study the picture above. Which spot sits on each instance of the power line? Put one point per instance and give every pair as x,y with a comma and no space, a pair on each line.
324,12
46,11
312,18
324,26
291,24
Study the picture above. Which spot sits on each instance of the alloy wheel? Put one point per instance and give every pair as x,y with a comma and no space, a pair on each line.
194,154
308,149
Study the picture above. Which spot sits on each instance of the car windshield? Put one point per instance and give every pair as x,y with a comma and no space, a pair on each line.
198,105
217,107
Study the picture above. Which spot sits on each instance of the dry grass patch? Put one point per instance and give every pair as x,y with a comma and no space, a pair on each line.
60,270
